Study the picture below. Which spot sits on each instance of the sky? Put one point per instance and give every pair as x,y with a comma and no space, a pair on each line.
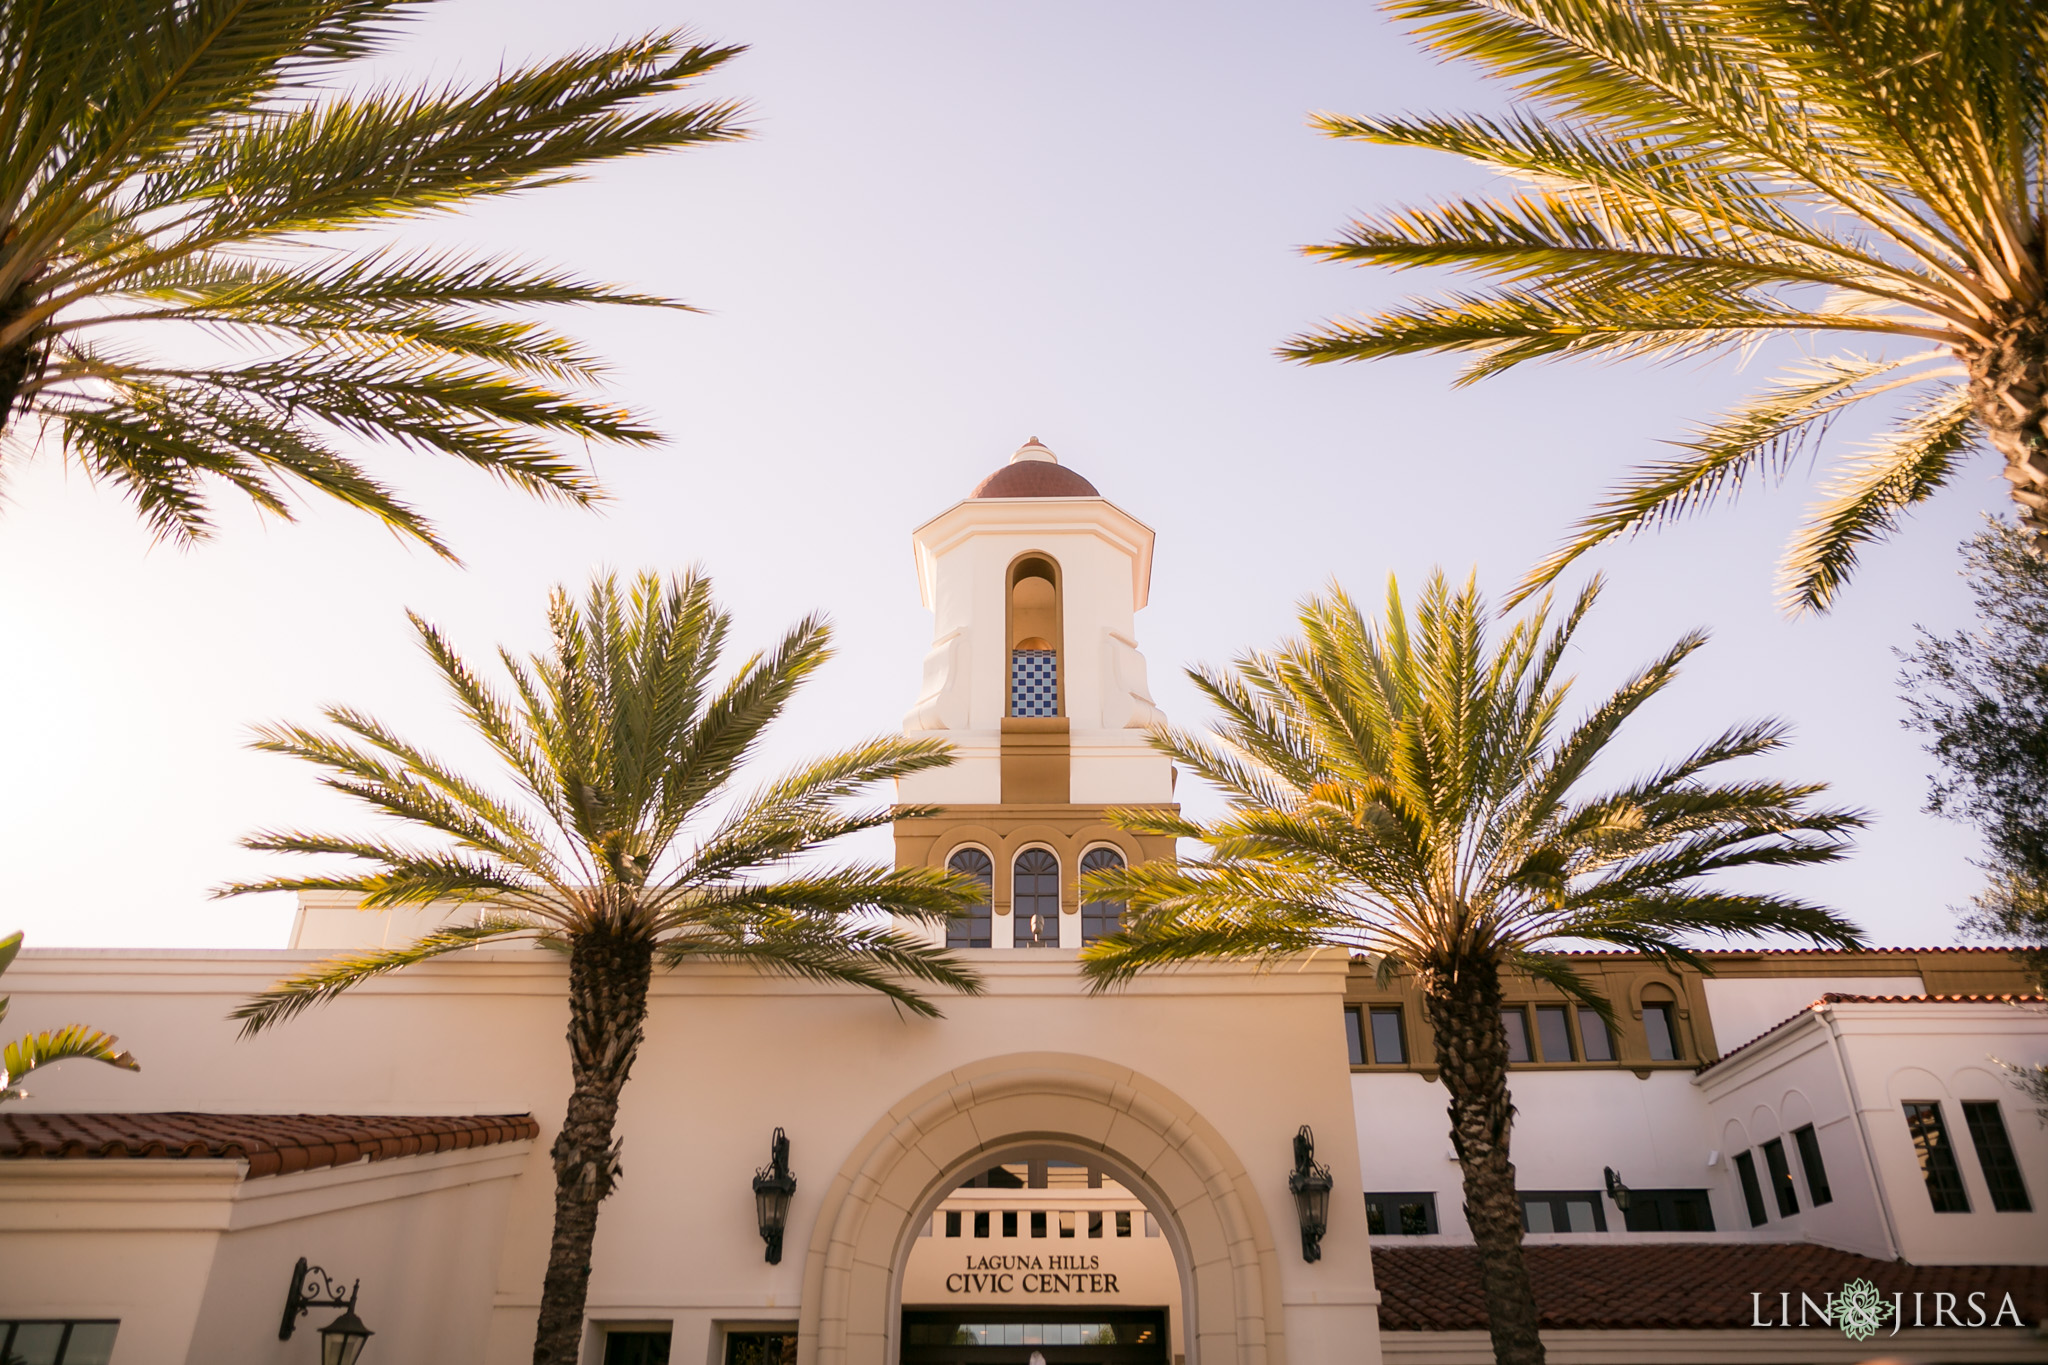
956,226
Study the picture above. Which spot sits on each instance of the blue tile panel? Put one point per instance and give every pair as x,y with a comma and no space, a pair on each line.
1034,682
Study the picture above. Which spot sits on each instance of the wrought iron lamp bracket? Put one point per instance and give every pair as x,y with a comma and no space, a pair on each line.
312,1287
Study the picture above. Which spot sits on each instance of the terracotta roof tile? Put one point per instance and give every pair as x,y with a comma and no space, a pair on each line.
1034,479
272,1144
1670,1286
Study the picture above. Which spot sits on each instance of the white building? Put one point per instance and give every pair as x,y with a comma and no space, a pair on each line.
1042,1173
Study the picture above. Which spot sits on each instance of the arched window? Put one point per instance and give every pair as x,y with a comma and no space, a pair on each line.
1034,628
1035,899
1099,919
972,929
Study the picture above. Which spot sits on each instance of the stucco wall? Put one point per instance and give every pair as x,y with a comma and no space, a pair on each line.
730,1055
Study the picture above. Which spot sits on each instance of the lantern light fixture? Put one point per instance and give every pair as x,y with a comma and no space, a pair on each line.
1621,1194
341,1341
773,1185
1310,1185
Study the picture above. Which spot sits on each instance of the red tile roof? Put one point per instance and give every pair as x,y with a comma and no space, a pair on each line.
272,1144
1034,479
1841,998
1673,1286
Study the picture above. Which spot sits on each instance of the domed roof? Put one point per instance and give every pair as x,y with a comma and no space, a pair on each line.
1034,472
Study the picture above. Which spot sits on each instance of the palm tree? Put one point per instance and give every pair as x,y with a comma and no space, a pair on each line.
1408,790
179,169
1697,179
608,843
41,1049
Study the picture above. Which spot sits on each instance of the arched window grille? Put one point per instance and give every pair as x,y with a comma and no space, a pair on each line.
1099,919
1035,899
972,929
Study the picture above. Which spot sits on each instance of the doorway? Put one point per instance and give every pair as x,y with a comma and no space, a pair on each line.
1003,1334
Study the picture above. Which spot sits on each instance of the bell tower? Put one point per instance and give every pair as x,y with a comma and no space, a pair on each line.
1034,581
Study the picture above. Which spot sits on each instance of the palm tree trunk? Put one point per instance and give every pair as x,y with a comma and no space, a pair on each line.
1463,1004
2009,394
608,979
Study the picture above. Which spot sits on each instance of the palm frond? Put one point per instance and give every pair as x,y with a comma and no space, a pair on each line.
76,1041
299,993
1899,471
1761,437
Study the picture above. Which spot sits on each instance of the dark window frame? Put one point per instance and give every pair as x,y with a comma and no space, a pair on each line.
1667,1012
1372,1022
9,1327
1386,1208
782,1345
1752,1189
1528,1043
1100,919
1807,1140
1038,898
1780,1170
1996,1160
1936,1150
1560,1202
1667,1210
1563,1017
1354,1034
1586,1016
976,928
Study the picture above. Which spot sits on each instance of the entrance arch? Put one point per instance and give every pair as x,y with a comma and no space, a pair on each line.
915,1152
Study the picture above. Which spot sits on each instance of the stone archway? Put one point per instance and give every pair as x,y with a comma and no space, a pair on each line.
1232,1301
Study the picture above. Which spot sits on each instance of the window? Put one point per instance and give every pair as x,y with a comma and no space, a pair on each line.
1410,1214
1994,1154
1808,1143
1660,1025
1100,919
981,1222
1035,899
1009,1222
1668,1211
1781,1177
1123,1222
52,1341
1516,1023
757,1348
1354,1037
1937,1158
1038,1222
1034,638
1752,1192
972,929
1095,1223
1554,1033
952,1222
1562,1211
1593,1036
1389,1046
638,1347
1066,1223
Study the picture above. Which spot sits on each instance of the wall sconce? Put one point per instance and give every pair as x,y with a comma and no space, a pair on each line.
341,1341
773,1185
1621,1194
1310,1185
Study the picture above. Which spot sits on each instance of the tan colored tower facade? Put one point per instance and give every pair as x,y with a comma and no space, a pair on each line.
1034,581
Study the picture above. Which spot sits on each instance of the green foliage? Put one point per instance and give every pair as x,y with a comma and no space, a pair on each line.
1693,181
176,169
24,1055
1982,697
617,816
1411,789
